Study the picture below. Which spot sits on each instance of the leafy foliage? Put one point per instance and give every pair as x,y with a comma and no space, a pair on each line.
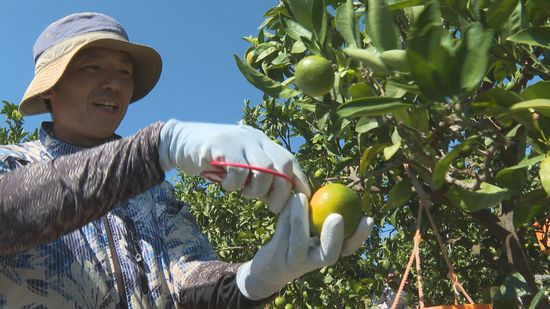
457,91
14,132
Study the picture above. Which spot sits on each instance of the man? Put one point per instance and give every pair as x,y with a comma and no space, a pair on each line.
86,220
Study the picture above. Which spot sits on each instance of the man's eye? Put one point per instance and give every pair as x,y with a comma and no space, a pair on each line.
126,72
92,67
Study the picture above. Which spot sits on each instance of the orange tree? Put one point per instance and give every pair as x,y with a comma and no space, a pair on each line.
442,105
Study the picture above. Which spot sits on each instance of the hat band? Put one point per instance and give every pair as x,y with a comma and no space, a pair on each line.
63,48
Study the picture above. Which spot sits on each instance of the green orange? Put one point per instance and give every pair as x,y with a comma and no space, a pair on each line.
334,198
314,75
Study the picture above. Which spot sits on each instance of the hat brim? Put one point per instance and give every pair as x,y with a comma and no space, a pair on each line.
147,68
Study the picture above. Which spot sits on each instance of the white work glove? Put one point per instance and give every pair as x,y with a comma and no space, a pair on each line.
192,146
292,252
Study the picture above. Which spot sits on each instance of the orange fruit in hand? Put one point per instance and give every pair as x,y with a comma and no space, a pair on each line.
334,198
314,75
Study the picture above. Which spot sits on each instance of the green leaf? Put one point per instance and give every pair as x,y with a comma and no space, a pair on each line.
540,90
380,26
529,206
536,299
399,195
406,87
298,47
295,30
544,5
396,59
301,10
373,106
264,83
368,58
346,23
536,36
417,118
471,201
474,55
513,176
499,11
541,106
319,18
442,166
405,4
513,286
360,90
390,151
544,174
266,53
368,155
424,74
499,96
365,124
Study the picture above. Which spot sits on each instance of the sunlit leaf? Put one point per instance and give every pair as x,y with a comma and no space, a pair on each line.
295,30
360,90
396,59
424,75
536,36
373,106
390,151
512,177
474,55
264,83
298,47
499,96
368,155
347,24
544,174
541,106
369,59
471,201
540,90
405,4
365,124
381,27
442,166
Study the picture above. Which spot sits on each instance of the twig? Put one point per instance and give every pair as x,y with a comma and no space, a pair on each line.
462,184
426,203
419,276
414,255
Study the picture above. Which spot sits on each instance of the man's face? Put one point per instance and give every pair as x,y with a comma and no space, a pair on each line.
91,98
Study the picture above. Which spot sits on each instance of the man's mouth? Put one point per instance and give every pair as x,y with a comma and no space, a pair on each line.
106,105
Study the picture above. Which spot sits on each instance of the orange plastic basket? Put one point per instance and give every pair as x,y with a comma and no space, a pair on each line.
542,232
464,306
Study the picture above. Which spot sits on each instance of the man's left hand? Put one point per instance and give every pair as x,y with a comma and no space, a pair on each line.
292,252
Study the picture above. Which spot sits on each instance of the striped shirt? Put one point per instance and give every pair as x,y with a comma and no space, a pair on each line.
70,217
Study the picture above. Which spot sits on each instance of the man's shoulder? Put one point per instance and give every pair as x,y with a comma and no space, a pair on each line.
13,156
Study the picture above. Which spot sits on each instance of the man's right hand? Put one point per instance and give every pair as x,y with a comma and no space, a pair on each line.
192,146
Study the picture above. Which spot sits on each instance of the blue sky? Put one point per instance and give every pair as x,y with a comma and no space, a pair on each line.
197,40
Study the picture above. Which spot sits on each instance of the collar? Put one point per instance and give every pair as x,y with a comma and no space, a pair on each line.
57,147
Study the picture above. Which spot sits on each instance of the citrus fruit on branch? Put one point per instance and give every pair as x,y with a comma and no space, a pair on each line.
334,198
314,75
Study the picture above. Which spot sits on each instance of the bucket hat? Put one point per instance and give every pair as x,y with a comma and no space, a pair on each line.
63,39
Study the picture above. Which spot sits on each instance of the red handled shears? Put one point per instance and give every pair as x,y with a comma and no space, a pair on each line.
218,175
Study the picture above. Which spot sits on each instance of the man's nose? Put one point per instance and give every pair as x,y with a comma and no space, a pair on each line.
111,81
